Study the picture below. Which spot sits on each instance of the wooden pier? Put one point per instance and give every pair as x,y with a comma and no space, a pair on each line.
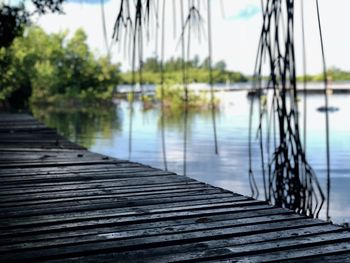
62,203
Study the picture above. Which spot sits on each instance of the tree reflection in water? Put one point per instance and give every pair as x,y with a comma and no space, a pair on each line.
82,125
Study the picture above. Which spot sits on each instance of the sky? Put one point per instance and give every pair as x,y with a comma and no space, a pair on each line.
236,26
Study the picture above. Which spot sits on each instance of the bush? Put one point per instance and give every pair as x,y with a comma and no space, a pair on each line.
174,98
49,67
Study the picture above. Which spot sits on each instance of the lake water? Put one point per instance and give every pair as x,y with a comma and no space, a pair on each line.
106,131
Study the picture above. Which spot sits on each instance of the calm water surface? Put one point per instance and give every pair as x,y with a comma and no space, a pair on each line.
106,131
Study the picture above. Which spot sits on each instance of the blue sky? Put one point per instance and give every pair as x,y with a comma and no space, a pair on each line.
236,29
247,12
91,2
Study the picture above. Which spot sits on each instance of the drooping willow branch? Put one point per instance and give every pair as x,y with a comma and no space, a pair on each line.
325,80
291,181
133,21
192,23
211,79
133,29
162,87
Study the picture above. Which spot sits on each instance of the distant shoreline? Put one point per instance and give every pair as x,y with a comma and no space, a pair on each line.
312,87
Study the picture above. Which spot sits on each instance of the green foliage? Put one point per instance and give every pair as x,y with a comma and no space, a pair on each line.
71,122
14,17
334,74
196,72
130,97
12,21
174,105
174,98
50,67
220,65
6,79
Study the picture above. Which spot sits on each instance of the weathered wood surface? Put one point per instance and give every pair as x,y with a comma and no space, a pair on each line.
62,203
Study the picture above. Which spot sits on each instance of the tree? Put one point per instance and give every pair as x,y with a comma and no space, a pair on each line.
12,22
47,67
13,19
220,65
205,63
195,61
151,64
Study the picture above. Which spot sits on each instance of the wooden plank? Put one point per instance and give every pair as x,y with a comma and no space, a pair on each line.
39,150
296,253
129,201
56,164
109,205
245,217
61,203
127,219
175,253
29,156
89,177
119,212
77,184
270,247
119,234
90,186
102,190
340,257
105,167
130,197
120,173
141,222
113,244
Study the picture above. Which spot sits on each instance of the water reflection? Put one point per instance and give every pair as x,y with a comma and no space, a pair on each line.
84,125
288,179
174,120
106,132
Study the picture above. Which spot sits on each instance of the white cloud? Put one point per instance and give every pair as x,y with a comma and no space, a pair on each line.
233,40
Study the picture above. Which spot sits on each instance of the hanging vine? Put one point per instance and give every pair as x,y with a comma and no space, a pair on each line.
290,181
